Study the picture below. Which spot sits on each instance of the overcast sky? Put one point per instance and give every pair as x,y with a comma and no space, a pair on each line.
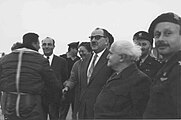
73,20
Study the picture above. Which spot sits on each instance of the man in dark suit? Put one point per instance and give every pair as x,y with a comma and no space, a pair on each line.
92,82
94,72
59,66
148,64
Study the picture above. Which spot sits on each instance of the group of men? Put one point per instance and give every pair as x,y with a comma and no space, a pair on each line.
118,80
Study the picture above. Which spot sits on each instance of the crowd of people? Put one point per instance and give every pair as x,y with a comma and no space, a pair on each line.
109,79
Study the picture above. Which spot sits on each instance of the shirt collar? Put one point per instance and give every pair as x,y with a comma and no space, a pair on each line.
50,58
100,53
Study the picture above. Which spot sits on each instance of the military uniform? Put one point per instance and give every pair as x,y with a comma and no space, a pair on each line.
150,66
165,96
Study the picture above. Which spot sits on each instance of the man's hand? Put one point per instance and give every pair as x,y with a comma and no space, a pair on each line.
65,90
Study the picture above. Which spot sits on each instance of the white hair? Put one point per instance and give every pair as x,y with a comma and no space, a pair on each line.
128,48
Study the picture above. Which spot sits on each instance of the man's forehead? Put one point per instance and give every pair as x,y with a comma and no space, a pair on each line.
166,25
47,40
97,32
141,40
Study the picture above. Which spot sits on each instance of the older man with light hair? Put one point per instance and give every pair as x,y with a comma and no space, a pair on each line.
126,92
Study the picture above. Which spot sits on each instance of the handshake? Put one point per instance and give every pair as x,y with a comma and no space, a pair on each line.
65,90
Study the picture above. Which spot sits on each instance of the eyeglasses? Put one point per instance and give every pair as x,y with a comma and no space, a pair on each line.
97,37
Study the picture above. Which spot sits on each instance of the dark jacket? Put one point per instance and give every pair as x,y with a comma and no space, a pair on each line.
125,95
22,97
150,66
35,72
74,82
165,97
90,91
59,66
70,62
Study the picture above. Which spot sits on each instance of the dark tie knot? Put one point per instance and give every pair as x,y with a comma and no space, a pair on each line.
48,57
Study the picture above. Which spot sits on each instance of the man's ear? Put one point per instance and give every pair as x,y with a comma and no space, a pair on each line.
124,57
34,44
107,40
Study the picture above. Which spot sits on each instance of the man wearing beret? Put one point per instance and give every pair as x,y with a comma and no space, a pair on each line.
148,64
165,95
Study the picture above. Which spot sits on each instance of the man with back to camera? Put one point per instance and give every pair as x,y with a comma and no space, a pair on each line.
165,96
24,73
148,64
59,66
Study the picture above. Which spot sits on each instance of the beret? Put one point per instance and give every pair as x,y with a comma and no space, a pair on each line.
142,35
165,17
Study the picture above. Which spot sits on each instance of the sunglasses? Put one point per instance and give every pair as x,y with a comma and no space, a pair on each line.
97,37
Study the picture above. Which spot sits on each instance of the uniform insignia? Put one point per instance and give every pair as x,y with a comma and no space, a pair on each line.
164,74
176,17
140,34
179,62
163,79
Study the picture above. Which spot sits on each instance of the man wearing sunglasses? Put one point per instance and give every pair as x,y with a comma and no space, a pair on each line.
94,72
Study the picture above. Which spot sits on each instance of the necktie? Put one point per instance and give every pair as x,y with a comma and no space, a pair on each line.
91,68
48,59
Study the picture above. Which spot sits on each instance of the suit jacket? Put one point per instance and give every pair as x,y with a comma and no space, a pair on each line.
89,92
125,95
59,66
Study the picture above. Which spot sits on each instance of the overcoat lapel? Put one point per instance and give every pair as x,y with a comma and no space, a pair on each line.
83,70
102,61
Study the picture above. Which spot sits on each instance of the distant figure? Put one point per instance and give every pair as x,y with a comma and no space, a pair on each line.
2,54
52,104
126,92
16,45
84,50
71,57
148,64
23,75
165,96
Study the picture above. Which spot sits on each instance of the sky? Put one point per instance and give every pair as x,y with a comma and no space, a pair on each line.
69,21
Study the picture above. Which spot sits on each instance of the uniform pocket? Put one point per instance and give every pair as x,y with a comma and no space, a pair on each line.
27,104
10,104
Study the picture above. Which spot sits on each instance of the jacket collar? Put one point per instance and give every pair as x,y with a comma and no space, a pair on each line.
26,50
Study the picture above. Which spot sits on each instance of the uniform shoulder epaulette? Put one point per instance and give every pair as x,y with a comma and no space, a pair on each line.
179,63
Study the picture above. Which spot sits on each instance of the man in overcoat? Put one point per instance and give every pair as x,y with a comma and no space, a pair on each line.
165,96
